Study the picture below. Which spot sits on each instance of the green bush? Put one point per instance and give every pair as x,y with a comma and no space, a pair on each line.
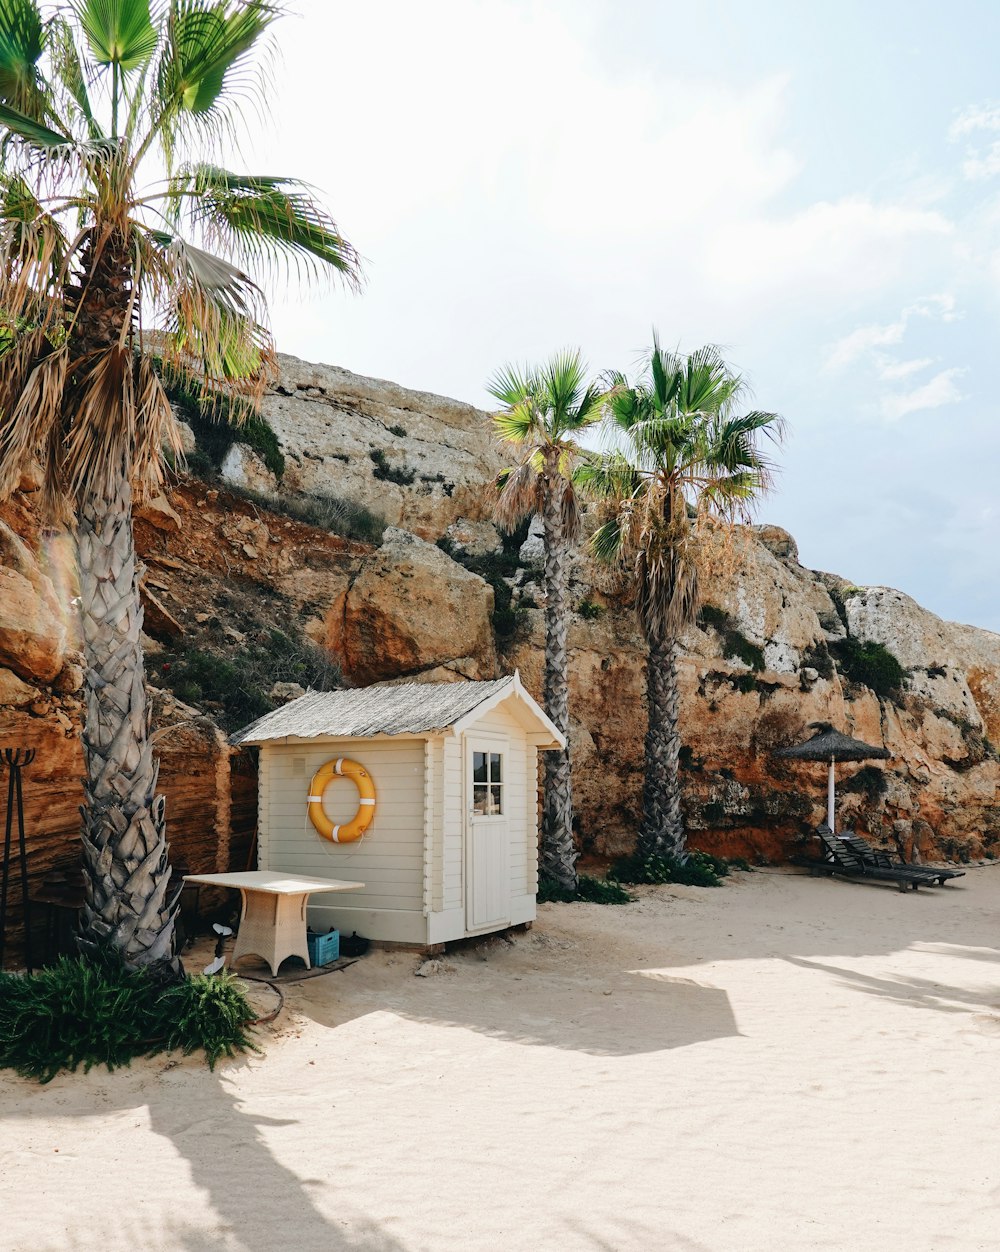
697,869
735,645
589,611
218,422
385,472
400,431
870,664
333,513
588,890
818,658
241,683
97,1011
869,781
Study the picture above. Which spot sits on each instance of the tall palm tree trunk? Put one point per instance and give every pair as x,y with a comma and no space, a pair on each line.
124,833
558,850
662,828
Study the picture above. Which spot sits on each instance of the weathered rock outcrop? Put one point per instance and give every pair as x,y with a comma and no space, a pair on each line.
411,608
419,460
772,651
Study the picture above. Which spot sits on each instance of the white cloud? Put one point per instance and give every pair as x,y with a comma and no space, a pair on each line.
982,159
842,249
893,371
864,342
938,391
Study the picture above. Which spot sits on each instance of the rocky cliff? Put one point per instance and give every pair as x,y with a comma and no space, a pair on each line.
252,594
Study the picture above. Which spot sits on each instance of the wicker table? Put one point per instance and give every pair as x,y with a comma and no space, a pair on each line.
273,917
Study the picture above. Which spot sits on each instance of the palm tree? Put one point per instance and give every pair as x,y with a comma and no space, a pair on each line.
683,456
102,290
545,411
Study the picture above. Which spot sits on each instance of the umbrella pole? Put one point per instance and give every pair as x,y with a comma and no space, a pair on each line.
831,799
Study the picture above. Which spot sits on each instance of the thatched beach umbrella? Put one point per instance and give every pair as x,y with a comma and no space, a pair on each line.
830,745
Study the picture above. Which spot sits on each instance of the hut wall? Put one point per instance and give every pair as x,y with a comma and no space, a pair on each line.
389,859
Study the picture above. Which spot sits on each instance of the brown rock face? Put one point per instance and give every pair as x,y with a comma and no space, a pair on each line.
412,608
766,659
33,636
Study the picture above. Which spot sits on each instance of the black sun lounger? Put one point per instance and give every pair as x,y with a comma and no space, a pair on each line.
890,860
846,863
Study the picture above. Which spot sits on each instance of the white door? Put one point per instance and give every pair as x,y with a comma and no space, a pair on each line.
487,844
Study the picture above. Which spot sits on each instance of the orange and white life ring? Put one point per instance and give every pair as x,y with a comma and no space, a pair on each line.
361,820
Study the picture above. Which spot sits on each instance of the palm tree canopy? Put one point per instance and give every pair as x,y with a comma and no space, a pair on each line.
546,409
682,451
103,106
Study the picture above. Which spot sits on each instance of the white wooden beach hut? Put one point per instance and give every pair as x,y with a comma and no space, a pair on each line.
452,847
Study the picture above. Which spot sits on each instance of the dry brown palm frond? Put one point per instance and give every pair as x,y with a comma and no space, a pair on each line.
155,429
571,520
666,575
31,391
101,415
517,495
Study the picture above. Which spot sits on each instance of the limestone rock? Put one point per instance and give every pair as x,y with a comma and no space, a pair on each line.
158,511
532,551
33,635
410,608
477,538
281,693
419,460
242,467
13,692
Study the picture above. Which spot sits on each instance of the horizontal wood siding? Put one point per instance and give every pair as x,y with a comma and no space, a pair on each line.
452,825
389,859
435,749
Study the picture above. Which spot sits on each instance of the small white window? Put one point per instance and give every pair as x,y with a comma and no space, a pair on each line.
487,784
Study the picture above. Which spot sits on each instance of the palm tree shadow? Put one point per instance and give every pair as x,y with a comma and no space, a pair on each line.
259,1203
916,993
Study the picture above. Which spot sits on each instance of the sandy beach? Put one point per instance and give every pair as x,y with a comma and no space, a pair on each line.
785,1063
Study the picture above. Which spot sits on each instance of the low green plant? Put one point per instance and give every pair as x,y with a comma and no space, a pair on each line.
589,890
336,514
400,431
697,869
87,1011
218,422
818,657
240,684
869,781
735,644
870,664
402,475
590,611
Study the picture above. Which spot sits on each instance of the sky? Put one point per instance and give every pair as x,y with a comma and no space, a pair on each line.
813,187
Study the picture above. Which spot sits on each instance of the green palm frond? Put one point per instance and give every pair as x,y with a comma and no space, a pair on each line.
262,219
22,42
68,70
511,385
119,32
34,133
681,454
207,42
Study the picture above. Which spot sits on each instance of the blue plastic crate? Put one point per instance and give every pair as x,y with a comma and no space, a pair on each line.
323,949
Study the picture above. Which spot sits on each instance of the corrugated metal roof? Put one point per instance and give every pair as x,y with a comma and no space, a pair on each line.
407,709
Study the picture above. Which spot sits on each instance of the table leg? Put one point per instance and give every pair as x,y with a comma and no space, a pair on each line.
272,926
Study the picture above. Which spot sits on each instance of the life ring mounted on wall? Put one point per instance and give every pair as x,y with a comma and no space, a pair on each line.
365,815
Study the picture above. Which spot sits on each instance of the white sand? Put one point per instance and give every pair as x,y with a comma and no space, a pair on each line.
787,1063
